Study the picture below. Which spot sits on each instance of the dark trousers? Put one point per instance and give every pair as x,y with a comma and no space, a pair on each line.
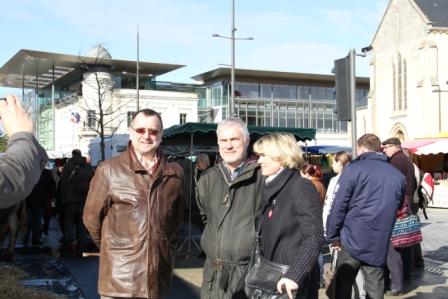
34,215
395,267
347,268
418,256
73,226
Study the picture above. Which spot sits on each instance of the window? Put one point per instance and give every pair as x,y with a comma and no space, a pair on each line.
400,83
91,119
285,91
182,118
248,90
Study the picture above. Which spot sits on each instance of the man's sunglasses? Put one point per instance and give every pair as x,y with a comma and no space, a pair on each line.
144,130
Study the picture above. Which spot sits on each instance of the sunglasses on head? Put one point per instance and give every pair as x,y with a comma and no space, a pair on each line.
144,130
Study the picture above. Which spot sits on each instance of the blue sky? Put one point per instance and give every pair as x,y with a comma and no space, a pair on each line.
289,35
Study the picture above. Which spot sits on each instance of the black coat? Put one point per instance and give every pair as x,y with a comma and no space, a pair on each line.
293,234
42,191
402,162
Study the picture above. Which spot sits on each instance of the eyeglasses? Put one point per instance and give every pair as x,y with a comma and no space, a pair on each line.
144,130
388,145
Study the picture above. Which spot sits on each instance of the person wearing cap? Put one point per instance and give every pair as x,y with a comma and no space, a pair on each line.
366,198
399,261
24,158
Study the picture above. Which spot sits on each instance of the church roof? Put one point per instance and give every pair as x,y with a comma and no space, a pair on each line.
435,10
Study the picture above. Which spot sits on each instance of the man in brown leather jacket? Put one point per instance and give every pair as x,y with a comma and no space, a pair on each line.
133,210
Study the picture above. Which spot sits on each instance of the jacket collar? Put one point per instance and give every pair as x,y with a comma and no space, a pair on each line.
163,168
372,156
273,187
250,165
397,153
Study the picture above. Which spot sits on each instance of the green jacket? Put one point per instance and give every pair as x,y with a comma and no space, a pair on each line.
230,210
20,168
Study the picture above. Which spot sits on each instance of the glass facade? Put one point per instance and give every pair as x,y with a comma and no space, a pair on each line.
282,105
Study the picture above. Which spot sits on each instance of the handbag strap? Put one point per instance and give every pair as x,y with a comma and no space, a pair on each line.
258,238
334,258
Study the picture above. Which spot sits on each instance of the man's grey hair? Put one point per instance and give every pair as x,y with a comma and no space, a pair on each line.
203,157
234,121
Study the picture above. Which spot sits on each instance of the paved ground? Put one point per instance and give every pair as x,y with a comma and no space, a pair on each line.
429,283
78,278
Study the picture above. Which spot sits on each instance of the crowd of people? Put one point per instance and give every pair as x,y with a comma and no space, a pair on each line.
263,199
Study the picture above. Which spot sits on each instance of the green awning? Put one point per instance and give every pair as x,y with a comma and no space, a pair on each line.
206,132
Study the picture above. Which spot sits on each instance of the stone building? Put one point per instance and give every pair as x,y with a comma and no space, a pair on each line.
408,72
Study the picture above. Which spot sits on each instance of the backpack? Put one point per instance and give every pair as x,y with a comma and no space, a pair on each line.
80,178
425,192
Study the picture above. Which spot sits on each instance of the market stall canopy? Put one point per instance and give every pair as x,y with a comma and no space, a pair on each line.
426,146
175,132
439,146
326,149
181,137
334,149
413,145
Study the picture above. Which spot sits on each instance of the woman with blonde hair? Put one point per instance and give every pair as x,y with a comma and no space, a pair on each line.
291,224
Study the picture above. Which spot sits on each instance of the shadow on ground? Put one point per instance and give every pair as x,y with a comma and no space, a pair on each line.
182,289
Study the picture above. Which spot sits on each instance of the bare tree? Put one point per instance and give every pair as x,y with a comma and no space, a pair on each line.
103,109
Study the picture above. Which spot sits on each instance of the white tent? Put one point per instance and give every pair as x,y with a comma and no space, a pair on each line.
439,146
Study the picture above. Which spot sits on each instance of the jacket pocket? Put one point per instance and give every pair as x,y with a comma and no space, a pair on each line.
125,226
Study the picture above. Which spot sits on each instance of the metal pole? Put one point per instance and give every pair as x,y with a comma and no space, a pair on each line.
137,75
272,108
310,121
53,110
36,107
232,70
23,90
353,101
440,112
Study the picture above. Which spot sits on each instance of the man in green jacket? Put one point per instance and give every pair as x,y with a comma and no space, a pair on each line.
229,201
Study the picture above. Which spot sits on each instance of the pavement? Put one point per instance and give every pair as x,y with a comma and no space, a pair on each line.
67,277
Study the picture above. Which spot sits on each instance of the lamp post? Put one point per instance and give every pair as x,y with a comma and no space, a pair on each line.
137,87
232,38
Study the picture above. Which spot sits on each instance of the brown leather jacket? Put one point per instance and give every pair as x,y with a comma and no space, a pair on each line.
133,218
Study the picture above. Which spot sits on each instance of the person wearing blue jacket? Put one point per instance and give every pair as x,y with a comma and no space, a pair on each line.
362,216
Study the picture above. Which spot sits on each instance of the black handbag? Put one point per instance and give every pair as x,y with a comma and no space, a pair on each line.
262,278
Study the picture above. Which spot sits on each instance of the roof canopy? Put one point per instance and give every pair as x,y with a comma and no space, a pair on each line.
270,76
209,130
326,149
426,146
31,69
180,139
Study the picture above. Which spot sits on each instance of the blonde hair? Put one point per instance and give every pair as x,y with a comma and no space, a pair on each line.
281,147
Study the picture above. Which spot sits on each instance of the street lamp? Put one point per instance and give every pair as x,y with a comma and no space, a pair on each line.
232,39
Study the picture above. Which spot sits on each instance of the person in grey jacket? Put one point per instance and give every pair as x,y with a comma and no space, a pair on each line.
229,201
24,159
